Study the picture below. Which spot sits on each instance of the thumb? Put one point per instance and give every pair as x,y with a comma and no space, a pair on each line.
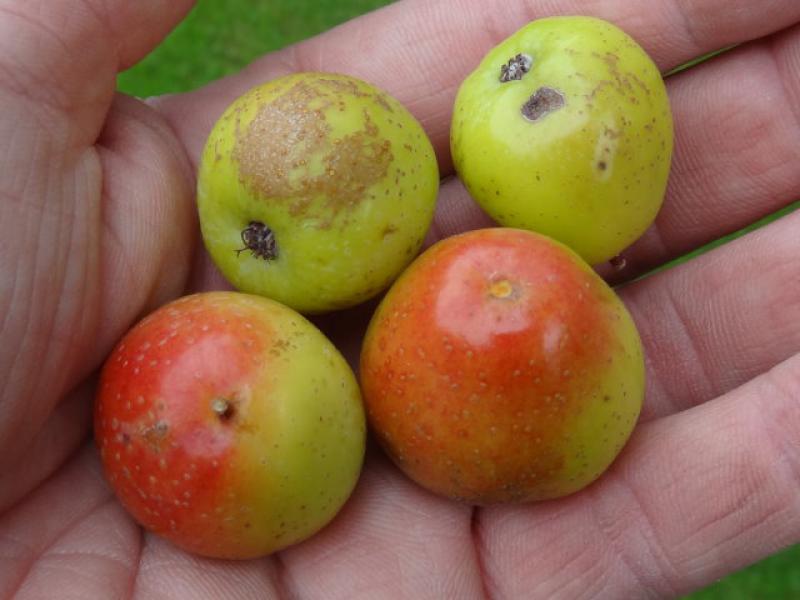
75,222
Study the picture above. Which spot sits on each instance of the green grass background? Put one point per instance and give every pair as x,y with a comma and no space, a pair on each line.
220,37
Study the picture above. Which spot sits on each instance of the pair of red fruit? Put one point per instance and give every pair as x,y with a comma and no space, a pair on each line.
499,367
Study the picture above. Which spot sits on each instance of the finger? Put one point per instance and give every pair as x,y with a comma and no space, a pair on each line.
149,217
63,431
693,497
57,89
168,573
737,125
455,213
60,59
90,252
70,536
392,540
58,63
420,50
720,319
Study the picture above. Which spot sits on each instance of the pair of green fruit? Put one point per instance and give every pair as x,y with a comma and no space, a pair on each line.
317,189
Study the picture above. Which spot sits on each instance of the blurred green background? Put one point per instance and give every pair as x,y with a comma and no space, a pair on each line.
220,37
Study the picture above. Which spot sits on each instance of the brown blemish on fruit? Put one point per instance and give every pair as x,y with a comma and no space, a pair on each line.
544,101
287,153
383,102
388,230
599,87
155,435
622,80
515,68
343,86
279,346
259,240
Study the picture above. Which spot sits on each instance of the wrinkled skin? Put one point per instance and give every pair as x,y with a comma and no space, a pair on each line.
97,226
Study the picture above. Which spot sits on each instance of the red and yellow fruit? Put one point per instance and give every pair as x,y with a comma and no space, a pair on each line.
230,425
500,367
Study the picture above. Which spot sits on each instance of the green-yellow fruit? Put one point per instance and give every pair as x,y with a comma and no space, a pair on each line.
316,190
565,129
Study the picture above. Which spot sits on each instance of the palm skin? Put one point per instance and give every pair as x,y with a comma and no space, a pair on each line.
98,226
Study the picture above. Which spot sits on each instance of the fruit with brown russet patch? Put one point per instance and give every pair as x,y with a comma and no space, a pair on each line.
316,189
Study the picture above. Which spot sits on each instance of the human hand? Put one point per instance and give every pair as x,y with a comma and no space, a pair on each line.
97,226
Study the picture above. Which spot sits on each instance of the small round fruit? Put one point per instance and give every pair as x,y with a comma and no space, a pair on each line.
230,425
565,128
499,367
316,190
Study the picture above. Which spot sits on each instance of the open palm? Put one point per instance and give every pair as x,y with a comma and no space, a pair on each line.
97,226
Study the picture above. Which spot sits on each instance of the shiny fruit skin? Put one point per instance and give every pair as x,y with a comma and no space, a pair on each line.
342,175
591,173
229,424
500,368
